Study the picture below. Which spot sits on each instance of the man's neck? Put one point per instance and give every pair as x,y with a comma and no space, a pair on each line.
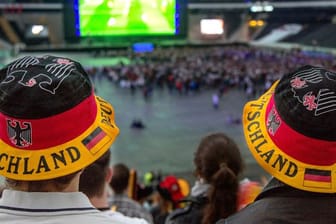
100,201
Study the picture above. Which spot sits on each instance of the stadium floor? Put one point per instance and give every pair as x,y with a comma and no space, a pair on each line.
174,126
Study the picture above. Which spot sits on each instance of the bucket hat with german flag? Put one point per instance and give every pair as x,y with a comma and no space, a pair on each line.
291,129
51,122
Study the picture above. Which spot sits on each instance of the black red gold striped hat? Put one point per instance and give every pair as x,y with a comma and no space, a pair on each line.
51,122
291,129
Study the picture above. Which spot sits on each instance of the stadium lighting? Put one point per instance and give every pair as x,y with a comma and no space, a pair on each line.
268,8
256,23
260,22
256,8
261,7
252,23
212,26
36,34
37,29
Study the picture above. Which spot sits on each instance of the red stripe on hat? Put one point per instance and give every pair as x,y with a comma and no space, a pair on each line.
301,147
54,130
95,140
318,178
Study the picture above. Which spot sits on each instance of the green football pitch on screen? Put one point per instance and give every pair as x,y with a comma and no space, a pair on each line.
126,17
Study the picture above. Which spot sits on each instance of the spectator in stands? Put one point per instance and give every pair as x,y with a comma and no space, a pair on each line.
144,195
52,127
94,182
290,130
218,164
215,101
120,201
169,194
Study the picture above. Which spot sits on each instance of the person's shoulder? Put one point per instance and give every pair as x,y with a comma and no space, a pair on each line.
129,201
177,214
118,218
190,214
120,199
246,215
95,217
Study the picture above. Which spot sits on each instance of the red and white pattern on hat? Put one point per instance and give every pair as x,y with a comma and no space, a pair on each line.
63,61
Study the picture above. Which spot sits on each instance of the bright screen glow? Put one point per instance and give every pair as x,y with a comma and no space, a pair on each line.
212,26
126,17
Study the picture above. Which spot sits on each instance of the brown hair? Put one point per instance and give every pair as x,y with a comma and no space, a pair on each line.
58,184
218,162
120,178
92,180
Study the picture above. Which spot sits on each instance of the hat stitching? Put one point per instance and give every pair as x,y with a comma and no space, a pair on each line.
60,70
326,102
24,62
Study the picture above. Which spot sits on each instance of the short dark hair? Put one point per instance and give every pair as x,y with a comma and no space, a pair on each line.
120,178
92,179
60,183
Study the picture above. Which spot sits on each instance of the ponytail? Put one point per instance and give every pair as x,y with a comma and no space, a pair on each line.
218,161
222,195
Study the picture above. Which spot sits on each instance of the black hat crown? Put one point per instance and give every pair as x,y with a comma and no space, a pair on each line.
306,101
37,87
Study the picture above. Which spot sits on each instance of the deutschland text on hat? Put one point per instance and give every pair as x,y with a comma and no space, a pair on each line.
51,123
291,129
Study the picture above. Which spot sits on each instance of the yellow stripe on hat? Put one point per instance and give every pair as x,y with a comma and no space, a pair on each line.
315,184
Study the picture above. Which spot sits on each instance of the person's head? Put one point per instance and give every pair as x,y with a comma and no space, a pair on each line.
218,162
95,177
120,178
291,129
170,193
51,123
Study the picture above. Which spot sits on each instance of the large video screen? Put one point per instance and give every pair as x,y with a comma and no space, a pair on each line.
126,17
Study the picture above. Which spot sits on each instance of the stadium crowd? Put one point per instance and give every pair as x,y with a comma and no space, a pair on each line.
188,70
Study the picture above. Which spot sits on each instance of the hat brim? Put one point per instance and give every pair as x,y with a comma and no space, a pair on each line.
274,160
63,159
